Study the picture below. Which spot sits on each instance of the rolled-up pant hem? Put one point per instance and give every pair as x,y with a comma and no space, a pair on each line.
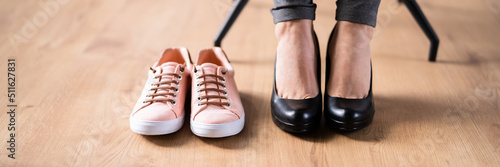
293,12
357,11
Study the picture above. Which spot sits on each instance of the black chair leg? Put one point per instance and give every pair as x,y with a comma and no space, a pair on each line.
418,15
412,5
228,22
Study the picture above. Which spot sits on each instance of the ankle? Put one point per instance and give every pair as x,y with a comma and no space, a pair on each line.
359,33
293,27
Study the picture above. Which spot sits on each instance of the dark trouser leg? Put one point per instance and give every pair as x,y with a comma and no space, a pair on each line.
358,11
293,10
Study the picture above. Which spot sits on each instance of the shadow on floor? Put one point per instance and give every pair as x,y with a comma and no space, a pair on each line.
393,111
389,113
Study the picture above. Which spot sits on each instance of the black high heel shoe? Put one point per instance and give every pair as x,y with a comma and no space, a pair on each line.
298,115
347,114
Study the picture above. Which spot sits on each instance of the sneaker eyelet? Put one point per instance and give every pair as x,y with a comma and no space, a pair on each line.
223,72
176,89
198,85
180,77
181,69
199,104
175,96
199,98
228,104
173,102
143,101
225,93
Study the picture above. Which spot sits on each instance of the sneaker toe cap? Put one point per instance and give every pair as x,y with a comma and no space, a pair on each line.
155,113
216,117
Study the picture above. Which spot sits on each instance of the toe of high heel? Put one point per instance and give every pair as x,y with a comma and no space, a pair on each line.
296,116
348,114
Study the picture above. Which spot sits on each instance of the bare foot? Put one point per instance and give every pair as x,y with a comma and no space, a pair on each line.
350,60
296,60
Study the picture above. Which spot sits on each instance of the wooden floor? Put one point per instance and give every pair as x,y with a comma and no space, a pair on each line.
81,65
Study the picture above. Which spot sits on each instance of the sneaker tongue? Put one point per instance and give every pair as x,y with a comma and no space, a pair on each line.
168,67
209,65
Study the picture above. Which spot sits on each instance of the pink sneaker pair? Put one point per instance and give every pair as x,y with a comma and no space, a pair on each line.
216,109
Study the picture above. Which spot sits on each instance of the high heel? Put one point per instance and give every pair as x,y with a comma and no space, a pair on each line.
347,114
298,115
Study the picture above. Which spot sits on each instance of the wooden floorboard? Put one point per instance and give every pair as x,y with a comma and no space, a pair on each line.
81,65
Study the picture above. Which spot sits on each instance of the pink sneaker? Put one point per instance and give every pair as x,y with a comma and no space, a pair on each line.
160,108
216,109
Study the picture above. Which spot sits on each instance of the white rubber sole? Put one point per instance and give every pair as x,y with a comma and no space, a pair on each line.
156,127
218,130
